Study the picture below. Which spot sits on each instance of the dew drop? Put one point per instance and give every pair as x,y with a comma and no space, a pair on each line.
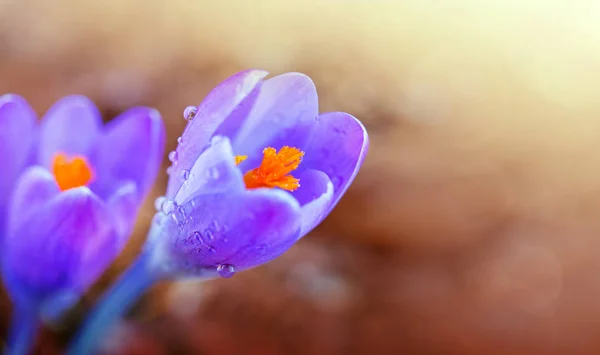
185,174
209,234
170,170
179,216
179,140
173,156
216,226
198,237
190,112
226,270
211,249
168,206
159,202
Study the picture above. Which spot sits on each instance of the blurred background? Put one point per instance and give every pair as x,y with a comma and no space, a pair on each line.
474,226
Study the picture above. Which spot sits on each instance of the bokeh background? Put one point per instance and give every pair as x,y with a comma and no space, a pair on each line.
474,226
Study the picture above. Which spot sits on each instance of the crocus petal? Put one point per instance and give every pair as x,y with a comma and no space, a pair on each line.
243,229
315,196
231,126
213,172
129,149
70,126
123,205
223,103
69,238
34,189
17,126
338,148
284,114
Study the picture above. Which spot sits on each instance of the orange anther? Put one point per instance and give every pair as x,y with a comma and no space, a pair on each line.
275,168
71,173
240,158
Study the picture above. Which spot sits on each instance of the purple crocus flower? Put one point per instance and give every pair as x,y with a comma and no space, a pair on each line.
73,208
256,169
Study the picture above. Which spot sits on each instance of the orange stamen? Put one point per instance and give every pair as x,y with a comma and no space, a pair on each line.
240,158
72,173
275,168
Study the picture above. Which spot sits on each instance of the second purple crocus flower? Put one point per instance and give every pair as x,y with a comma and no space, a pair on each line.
256,169
72,209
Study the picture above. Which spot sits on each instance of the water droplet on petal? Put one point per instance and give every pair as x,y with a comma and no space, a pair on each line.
185,174
173,156
159,202
190,112
179,140
211,249
216,226
170,170
179,216
168,206
198,240
197,236
226,270
209,234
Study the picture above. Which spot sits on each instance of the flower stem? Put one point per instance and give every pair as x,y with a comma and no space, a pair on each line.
22,334
113,305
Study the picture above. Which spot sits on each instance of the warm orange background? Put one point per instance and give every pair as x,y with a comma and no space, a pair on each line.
474,227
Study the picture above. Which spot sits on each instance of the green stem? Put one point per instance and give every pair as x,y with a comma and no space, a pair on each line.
116,302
